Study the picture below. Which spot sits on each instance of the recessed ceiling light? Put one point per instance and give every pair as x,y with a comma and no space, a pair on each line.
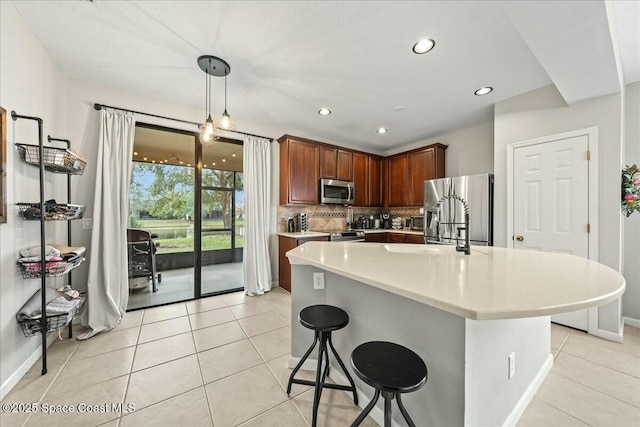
135,153
324,111
423,46
144,158
381,130
483,90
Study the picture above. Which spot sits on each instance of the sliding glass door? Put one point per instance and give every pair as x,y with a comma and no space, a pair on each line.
189,200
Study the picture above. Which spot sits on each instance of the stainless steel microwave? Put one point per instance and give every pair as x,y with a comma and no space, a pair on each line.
334,192
417,223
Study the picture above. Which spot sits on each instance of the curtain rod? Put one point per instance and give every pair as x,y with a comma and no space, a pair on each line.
100,106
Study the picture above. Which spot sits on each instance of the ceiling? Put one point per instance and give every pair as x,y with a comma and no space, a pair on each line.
289,59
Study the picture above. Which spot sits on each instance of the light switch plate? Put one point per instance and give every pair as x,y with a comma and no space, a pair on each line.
87,223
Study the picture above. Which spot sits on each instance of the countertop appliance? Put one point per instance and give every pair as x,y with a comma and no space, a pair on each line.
341,236
416,222
335,192
444,210
386,222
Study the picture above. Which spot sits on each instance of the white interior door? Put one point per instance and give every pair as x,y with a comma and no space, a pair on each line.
551,203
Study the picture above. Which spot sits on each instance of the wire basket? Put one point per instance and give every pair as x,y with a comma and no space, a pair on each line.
31,270
55,159
31,327
52,211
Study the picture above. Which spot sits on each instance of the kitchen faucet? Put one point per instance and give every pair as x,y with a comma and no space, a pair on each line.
467,245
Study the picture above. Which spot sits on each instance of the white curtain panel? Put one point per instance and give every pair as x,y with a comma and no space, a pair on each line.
108,283
256,266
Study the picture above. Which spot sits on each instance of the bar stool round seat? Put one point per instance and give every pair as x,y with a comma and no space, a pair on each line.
322,319
392,370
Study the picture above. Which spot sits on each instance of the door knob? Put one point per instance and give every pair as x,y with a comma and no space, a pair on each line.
519,238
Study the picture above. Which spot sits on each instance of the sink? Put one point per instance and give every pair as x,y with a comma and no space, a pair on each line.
401,248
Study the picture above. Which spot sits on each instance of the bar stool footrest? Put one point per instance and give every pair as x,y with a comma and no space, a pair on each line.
324,385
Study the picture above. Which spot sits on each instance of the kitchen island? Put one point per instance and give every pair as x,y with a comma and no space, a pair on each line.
464,315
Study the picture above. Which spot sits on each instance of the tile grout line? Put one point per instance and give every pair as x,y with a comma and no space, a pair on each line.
64,364
133,359
561,410
600,364
204,388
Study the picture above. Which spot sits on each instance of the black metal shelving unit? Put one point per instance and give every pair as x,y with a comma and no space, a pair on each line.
61,165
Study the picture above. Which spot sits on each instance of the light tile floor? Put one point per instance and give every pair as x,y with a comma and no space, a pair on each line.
223,361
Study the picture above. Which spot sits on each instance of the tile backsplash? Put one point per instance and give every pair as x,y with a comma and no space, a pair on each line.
327,217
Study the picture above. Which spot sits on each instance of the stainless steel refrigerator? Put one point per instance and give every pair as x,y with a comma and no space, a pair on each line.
445,201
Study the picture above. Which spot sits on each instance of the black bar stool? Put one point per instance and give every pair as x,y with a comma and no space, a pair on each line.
322,319
392,370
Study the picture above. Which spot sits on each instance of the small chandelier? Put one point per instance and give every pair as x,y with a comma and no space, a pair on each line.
213,66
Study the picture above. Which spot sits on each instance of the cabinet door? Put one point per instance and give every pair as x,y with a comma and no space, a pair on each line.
375,181
421,168
360,179
414,238
395,237
285,244
344,169
303,163
397,180
375,237
328,163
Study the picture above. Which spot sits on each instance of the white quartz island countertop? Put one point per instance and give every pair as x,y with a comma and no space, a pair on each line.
491,283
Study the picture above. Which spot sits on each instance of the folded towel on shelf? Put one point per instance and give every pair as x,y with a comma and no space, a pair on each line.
34,251
61,305
33,308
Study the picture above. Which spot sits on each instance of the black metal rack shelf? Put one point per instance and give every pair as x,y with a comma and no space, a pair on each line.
56,160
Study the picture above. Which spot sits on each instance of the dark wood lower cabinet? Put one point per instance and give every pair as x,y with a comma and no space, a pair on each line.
389,237
375,237
285,244
414,238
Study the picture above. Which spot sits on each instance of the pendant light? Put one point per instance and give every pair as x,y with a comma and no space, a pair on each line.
212,66
226,122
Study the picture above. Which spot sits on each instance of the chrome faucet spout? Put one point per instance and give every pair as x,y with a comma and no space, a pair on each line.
467,244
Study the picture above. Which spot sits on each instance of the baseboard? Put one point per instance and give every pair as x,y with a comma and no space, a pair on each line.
529,393
11,382
611,336
631,321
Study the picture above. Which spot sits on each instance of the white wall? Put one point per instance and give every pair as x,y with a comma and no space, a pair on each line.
31,84
631,261
469,150
543,112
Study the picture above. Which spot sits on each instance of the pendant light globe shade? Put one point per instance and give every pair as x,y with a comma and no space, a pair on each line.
207,130
225,122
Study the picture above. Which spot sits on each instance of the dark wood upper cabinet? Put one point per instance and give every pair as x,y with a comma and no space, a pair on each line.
397,180
424,164
299,171
336,164
375,181
344,169
328,162
394,181
361,179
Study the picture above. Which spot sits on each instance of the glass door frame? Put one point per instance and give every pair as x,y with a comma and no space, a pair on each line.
198,230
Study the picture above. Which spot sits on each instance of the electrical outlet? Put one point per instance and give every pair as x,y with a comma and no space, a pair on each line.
87,223
318,280
512,365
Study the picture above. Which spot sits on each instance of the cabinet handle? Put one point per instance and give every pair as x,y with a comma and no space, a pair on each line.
519,238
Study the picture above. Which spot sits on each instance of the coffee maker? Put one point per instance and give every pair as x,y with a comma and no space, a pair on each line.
386,222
